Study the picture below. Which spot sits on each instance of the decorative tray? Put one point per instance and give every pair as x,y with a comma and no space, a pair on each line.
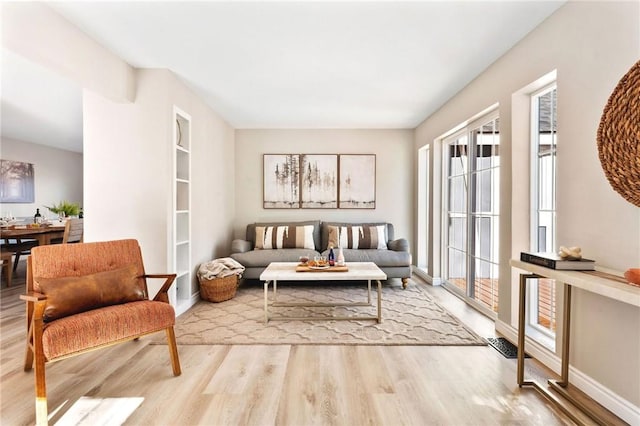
307,268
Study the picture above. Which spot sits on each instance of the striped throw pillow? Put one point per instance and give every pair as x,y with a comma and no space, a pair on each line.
277,237
358,237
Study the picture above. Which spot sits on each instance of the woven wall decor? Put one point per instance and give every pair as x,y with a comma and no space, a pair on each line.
619,137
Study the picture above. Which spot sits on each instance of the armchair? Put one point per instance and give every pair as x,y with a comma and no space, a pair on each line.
87,296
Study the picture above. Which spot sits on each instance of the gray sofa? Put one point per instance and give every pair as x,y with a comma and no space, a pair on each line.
395,261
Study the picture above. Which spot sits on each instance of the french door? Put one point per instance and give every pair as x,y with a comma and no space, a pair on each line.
471,209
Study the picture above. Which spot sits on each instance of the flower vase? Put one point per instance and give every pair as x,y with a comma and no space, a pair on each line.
340,259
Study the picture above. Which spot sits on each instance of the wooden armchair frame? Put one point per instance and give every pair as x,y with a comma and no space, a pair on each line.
35,356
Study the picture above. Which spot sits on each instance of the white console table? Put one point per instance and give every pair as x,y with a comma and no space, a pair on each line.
601,285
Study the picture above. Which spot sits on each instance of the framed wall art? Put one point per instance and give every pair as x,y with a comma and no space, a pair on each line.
16,182
319,184
357,181
281,181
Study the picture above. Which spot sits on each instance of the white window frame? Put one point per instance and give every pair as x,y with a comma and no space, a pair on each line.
465,129
544,335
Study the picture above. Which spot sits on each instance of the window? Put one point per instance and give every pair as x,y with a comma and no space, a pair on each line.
471,212
422,254
542,301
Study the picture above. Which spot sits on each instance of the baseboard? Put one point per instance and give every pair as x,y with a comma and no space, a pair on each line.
184,306
600,393
533,348
425,276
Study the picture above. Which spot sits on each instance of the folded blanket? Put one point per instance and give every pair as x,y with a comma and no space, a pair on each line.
220,268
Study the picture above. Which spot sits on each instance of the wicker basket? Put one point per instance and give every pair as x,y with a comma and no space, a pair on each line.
218,289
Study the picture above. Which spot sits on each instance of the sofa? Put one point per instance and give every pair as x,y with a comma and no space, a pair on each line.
288,241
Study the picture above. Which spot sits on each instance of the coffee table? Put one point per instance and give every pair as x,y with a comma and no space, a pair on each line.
286,271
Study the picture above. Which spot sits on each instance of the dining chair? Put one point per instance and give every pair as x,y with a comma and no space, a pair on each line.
87,296
18,247
73,231
7,268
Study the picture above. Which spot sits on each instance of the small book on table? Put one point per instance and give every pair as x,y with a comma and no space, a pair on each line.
553,261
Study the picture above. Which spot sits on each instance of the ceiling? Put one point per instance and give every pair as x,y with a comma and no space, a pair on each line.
310,64
38,105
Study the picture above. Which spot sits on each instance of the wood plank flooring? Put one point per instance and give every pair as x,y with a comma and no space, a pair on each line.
132,383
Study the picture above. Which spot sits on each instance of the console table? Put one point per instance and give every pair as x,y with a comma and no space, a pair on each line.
599,284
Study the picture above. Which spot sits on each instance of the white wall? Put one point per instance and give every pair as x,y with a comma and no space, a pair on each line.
127,168
128,145
36,32
128,158
592,45
394,180
57,176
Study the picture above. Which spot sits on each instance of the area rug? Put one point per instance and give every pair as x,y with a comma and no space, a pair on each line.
410,317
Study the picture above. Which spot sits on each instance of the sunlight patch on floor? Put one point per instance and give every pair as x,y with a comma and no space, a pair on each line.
505,405
100,411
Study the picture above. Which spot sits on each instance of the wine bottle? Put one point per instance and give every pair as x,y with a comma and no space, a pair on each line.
331,257
37,218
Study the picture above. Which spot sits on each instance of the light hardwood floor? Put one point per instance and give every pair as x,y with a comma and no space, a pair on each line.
273,384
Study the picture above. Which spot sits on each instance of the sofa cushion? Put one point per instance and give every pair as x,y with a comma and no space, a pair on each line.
262,258
285,236
324,234
251,230
358,237
71,295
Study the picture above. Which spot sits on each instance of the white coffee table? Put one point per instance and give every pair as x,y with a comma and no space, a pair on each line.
286,271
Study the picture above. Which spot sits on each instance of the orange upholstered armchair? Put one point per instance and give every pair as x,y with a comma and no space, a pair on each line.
87,296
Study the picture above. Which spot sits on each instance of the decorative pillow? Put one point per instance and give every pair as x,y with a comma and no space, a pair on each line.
71,295
358,237
276,237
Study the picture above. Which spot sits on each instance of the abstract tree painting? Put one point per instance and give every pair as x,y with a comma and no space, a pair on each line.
319,181
281,181
358,181
16,182
319,185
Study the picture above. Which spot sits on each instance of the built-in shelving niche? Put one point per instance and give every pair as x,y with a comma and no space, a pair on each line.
185,291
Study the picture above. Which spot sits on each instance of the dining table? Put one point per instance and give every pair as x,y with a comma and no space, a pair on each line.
43,234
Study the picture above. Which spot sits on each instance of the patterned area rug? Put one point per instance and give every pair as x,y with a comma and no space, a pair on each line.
410,317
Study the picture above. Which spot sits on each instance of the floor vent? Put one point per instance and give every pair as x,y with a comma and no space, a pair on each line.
505,347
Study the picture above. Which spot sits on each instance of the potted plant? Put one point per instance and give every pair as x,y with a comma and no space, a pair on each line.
65,209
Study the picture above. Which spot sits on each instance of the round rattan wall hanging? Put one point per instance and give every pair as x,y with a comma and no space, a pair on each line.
619,137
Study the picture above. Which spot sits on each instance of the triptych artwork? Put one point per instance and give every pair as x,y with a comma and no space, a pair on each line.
319,181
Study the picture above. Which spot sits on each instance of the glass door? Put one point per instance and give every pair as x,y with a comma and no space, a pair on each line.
457,190
484,212
472,203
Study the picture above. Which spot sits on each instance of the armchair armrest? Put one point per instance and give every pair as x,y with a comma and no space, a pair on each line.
32,296
36,303
163,293
240,246
401,244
